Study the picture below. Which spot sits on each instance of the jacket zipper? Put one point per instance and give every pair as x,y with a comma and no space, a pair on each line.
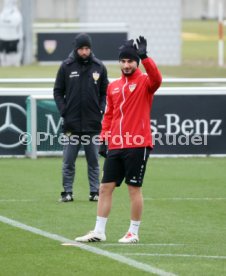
120,126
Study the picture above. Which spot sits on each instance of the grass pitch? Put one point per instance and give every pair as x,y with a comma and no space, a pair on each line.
182,231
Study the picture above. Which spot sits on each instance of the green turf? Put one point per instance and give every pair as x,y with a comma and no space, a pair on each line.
181,208
25,254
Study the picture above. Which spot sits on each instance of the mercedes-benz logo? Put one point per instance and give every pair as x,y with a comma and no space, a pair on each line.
8,123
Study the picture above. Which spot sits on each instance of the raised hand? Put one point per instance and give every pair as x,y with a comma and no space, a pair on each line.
141,47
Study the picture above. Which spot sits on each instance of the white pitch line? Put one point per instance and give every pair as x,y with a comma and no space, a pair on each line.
95,250
175,255
144,244
16,200
186,198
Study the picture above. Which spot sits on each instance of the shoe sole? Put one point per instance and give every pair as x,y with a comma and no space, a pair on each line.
63,201
91,240
133,241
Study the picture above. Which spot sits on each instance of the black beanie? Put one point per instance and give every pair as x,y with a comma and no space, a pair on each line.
127,50
82,40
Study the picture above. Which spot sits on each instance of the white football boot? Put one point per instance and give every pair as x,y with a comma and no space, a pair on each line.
129,238
92,237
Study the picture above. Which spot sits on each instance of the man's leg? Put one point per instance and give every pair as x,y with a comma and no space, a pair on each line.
103,211
105,199
92,158
70,154
136,202
135,164
112,173
136,207
104,206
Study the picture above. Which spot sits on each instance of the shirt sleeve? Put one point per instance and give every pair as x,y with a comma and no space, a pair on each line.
103,88
154,76
59,90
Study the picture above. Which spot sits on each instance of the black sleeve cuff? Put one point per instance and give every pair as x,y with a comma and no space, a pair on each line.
143,56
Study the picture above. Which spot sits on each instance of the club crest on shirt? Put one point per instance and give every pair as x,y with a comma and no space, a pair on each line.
132,87
96,76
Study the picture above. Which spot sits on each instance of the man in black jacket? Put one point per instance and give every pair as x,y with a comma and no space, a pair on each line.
80,95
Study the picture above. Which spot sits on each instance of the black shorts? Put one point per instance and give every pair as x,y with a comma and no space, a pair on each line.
129,163
9,46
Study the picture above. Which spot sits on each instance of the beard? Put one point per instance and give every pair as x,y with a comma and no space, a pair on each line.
83,59
128,72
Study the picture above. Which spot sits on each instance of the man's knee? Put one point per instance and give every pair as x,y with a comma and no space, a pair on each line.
134,190
106,188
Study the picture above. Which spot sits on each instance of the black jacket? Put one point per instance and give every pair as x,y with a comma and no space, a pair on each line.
80,94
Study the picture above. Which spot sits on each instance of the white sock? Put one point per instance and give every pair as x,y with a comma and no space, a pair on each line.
100,225
134,227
